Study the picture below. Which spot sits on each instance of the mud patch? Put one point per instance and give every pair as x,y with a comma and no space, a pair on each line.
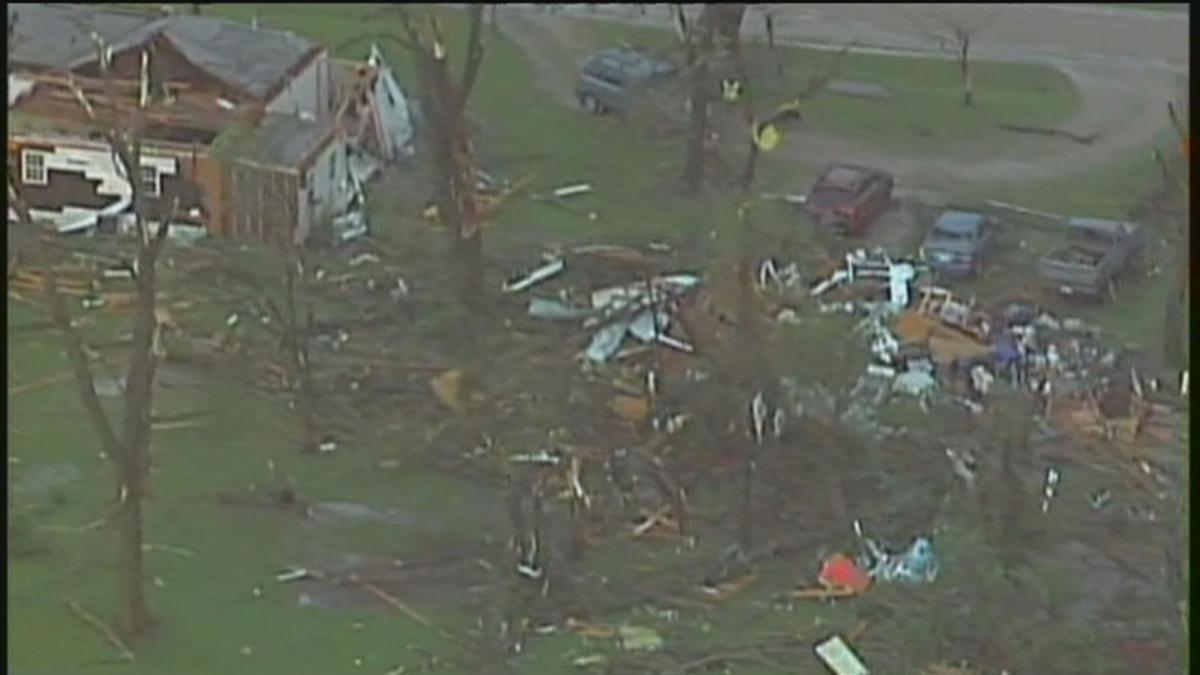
334,512
40,481
453,581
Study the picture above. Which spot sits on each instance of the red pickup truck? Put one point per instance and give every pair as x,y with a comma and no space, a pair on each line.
849,197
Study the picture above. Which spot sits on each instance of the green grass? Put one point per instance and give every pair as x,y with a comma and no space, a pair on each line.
206,605
925,113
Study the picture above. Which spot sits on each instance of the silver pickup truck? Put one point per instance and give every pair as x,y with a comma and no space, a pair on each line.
1096,252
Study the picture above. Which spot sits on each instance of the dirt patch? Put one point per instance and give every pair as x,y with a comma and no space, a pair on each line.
40,481
451,580
333,512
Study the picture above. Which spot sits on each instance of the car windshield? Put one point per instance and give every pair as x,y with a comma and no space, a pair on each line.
943,233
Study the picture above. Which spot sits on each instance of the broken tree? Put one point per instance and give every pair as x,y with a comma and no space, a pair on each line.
698,47
129,452
444,101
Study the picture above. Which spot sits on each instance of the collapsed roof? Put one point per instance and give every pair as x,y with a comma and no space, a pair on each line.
54,36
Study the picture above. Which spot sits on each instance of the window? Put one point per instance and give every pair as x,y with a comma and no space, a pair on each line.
151,181
33,167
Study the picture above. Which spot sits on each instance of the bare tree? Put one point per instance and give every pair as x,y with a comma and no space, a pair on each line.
963,23
129,452
444,100
1175,193
783,115
697,50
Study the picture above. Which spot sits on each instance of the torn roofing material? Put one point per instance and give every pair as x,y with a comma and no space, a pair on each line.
287,140
59,36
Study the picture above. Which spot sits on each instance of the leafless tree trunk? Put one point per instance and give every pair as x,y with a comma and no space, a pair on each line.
1176,193
296,338
444,101
698,50
130,454
962,39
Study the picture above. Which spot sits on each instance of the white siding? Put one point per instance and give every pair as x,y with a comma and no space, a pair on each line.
329,184
98,163
305,92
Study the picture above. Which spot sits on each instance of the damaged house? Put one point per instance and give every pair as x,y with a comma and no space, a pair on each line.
254,133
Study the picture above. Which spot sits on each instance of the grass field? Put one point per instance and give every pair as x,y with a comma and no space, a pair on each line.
925,111
204,595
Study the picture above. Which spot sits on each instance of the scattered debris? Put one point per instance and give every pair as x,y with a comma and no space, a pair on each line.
589,660
447,387
552,268
572,190
914,383
840,572
363,258
109,386
638,638
297,574
108,633
633,409
840,658
917,565
606,342
556,310
1049,488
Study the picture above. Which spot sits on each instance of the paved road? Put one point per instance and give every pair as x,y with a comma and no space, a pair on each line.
1127,64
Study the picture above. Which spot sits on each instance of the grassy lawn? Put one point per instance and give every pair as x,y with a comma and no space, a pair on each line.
925,111
205,596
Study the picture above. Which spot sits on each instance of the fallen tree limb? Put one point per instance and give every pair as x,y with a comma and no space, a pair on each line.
169,549
391,600
100,626
38,384
1044,131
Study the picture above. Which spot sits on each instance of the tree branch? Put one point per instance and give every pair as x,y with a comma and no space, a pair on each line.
82,368
474,56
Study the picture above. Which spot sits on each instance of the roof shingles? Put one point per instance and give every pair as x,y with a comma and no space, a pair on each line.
252,59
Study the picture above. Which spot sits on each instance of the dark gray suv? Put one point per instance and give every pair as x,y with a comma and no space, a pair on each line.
958,243
611,78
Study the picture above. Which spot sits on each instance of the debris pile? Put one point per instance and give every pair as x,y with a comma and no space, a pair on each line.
643,309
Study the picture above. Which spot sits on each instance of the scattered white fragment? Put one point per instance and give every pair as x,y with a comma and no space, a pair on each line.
638,638
292,575
363,258
838,656
572,190
537,276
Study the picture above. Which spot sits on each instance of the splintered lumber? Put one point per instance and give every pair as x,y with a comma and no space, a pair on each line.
100,626
395,602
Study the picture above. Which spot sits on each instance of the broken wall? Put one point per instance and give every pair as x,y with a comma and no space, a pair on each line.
82,179
307,92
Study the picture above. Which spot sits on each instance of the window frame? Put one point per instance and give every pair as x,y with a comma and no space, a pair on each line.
26,154
153,189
